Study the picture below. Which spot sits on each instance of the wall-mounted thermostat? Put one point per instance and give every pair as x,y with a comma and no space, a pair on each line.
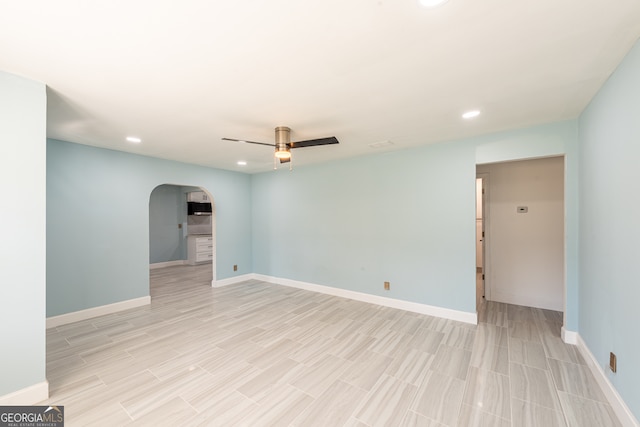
523,209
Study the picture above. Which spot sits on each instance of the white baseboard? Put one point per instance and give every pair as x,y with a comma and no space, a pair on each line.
460,316
232,280
621,409
569,337
27,396
167,264
77,316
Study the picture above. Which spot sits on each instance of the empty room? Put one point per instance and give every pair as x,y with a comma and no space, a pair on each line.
371,213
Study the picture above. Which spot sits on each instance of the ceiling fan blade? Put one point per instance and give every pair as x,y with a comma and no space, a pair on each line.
314,142
248,142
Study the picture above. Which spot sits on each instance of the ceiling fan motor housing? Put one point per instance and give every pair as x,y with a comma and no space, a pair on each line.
283,139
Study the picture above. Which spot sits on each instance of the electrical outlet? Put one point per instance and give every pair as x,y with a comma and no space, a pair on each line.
387,286
235,267
613,362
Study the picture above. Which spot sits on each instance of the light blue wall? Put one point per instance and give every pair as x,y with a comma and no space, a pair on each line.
407,217
610,226
98,222
401,217
22,247
165,213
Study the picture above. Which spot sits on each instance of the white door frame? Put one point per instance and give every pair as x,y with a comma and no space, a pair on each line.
486,258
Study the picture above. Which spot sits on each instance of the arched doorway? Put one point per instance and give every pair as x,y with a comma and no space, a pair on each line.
178,239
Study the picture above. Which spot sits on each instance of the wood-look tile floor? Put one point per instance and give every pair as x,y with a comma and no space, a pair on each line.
257,354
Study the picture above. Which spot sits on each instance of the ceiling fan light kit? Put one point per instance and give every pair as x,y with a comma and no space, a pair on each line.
283,145
283,153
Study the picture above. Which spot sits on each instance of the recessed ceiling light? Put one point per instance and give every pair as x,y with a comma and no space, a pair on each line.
432,3
471,114
134,139
242,163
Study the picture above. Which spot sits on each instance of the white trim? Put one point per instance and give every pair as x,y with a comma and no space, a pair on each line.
232,280
569,337
27,396
167,264
621,409
486,227
77,316
460,316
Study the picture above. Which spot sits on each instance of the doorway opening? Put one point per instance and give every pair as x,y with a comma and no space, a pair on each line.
182,236
522,249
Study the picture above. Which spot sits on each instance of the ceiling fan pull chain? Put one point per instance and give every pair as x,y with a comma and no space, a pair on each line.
291,164
275,163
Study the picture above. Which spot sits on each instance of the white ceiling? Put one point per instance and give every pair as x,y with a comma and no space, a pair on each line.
182,75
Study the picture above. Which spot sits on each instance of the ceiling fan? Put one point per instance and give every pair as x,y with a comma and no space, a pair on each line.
284,145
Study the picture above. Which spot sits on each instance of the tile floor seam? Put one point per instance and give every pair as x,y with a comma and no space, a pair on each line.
555,385
466,386
125,411
509,356
606,403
